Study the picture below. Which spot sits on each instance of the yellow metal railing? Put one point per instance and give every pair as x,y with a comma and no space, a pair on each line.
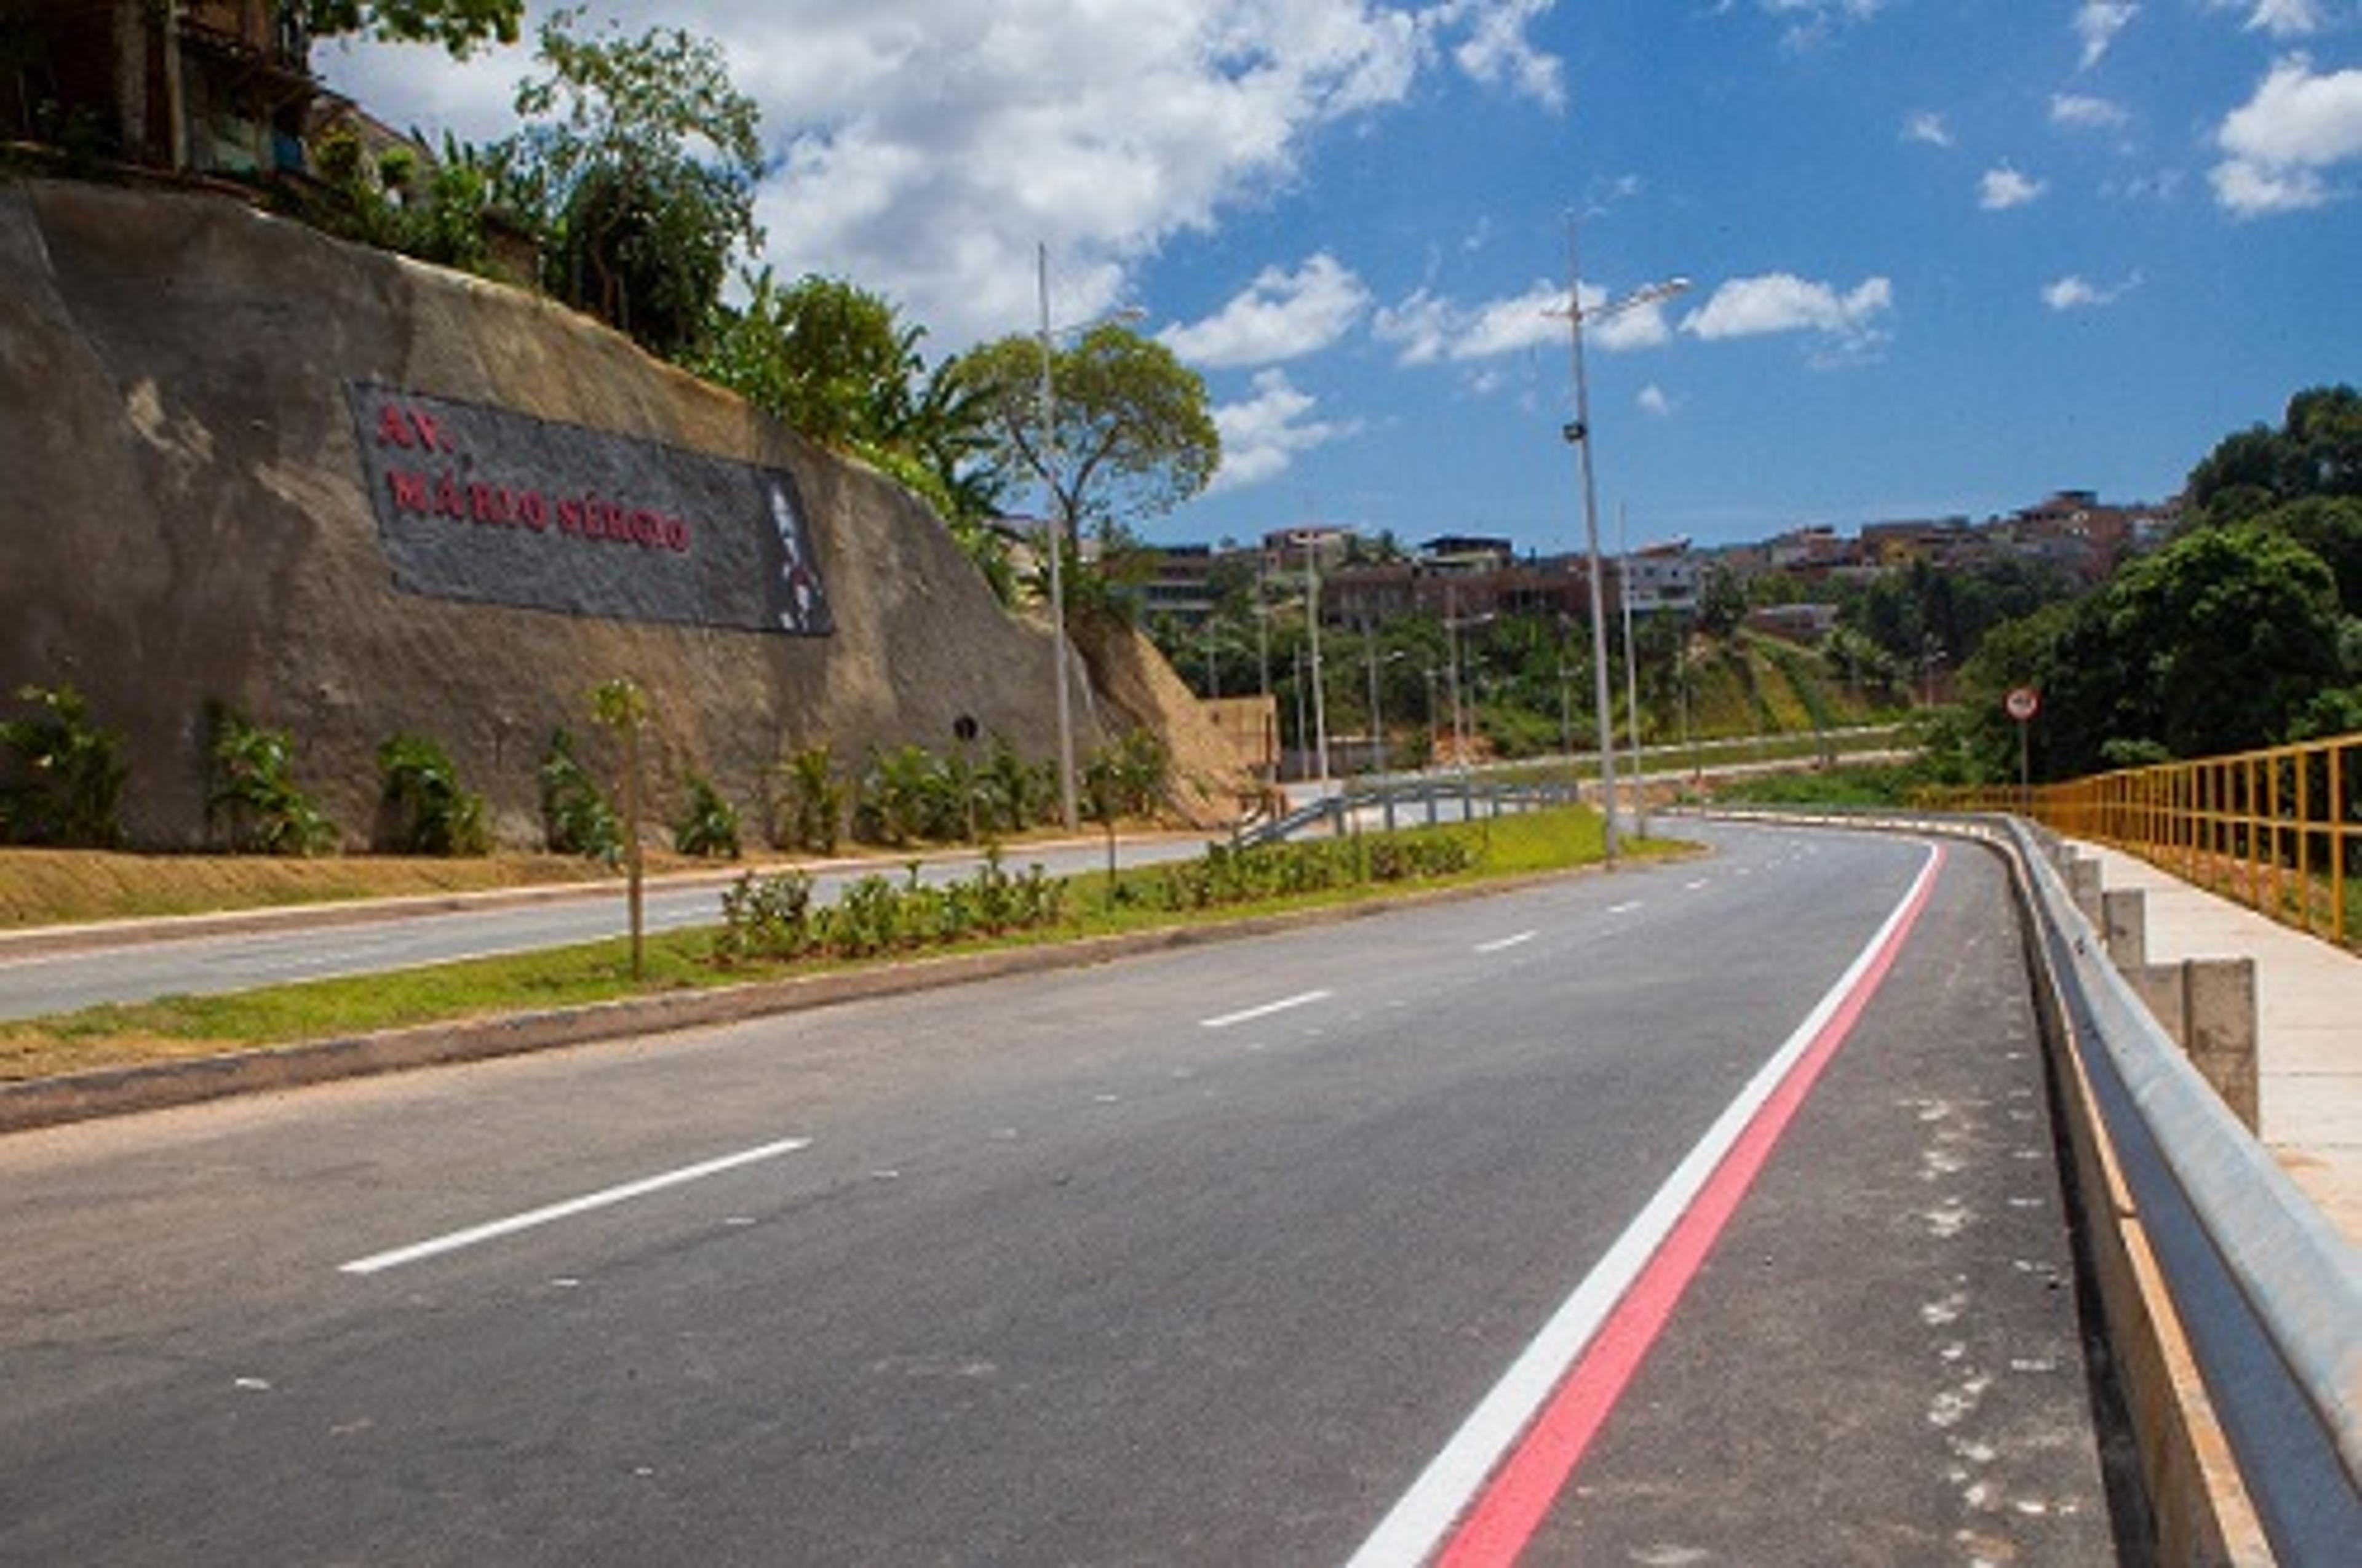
2280,831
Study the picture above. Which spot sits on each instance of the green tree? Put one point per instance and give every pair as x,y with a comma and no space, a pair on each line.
1722,601
2331,527
640,161
457,24
2219,643
826,356
840,365
620,704
1135,436
2317,451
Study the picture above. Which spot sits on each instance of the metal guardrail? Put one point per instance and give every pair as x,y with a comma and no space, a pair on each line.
1423,799
2267,1291
2278,831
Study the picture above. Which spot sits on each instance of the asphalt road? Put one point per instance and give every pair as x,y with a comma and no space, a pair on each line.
1212,1257
31,987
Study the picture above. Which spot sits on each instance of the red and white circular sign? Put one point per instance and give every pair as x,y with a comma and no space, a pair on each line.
2023,703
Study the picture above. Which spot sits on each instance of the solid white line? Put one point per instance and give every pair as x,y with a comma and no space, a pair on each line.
495,1229
1507,941
1265,1010
1419,1521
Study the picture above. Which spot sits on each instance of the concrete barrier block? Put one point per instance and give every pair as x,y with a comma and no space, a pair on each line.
2125,924
2161,990
2221,999
2207,1007
2083,885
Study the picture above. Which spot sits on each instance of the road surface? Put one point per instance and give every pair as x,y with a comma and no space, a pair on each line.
1215,1256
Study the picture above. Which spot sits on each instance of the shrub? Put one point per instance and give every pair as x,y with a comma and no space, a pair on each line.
708,824
773,918
812,814
61,779
574,816
254,794
1127,778
768,917
427,812
1015,794
906,795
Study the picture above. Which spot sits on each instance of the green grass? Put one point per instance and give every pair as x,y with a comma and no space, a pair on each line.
1860,784
117,1035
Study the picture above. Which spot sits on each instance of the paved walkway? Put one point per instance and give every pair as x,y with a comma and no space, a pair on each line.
2309,1025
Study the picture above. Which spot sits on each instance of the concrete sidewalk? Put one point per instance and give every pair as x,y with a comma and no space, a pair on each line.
2309,1025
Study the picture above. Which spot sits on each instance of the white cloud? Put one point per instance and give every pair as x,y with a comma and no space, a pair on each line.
2003,187
1263,436
2280,18
1781,303
2078,111
1497,51
1652,400
1929,127
1811,21
1281,315
2097,23
2280,141
1427,329
2073,293
923,147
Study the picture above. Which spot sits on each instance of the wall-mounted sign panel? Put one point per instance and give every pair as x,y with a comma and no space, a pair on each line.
487,504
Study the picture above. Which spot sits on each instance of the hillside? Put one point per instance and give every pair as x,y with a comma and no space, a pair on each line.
349,495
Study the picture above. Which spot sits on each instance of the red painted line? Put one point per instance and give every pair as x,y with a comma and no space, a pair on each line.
1501,1521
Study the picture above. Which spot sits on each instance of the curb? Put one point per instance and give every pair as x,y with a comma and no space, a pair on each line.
122,1091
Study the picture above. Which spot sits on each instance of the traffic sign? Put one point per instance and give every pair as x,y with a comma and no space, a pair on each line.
2023,703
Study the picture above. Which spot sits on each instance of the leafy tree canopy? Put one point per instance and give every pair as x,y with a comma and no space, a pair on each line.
641,159
1134,434
2221,642
457,24
838,364
2317,451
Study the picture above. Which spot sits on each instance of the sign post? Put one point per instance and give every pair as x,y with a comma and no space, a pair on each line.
2022,703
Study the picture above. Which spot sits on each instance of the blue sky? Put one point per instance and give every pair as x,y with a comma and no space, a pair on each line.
1945,256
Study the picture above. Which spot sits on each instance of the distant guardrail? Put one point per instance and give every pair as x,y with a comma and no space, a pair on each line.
2268,1292
1413,800
2279,830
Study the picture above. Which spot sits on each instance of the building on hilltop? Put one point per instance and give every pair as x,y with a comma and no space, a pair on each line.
1467,552
1661,576
2076,530
206,86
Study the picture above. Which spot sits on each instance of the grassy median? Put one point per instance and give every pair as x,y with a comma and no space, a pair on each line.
1091,905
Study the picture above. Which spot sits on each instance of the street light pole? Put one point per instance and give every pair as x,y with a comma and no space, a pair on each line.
1631,677
1057,529
1580,434
1320,695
